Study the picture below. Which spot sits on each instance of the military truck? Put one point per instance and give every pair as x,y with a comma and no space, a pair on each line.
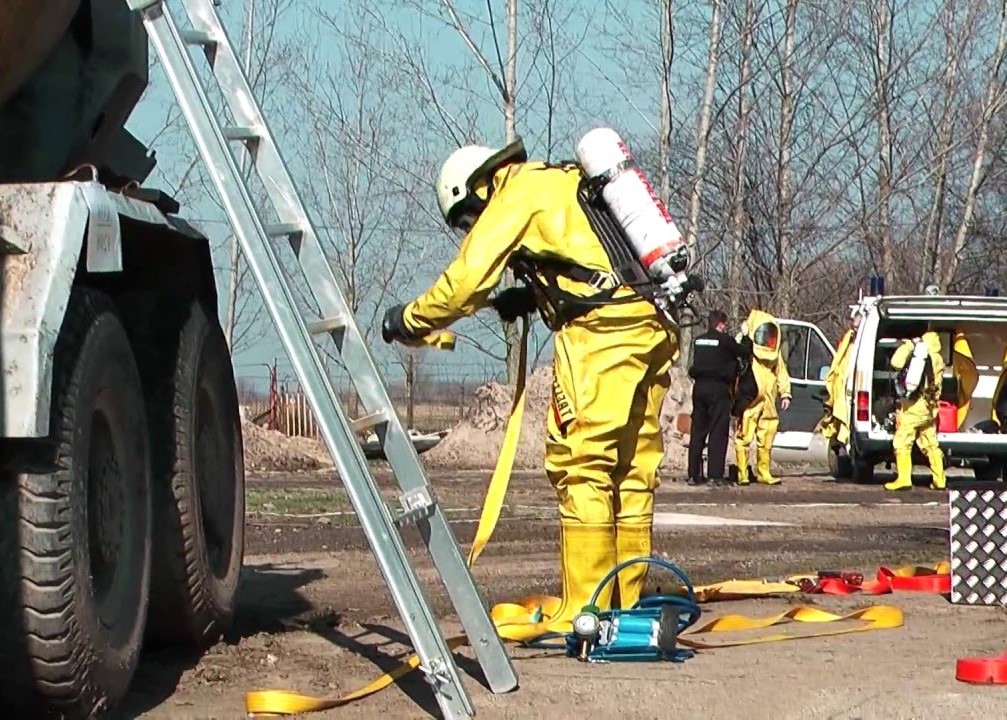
121,522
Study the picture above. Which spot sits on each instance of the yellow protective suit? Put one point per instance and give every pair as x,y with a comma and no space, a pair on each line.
761,420
835,421
916,419
995,415
966,373
611,373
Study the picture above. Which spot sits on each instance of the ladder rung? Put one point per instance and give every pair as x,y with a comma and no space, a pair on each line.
283,230
238,132
326,325
198,37
369,421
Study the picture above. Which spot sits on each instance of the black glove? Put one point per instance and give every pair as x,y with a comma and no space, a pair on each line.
393,327
514,302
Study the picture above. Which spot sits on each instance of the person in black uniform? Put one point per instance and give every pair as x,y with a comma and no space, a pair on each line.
715,362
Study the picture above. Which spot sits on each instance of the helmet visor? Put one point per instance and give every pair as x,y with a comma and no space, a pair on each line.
767,335
462,223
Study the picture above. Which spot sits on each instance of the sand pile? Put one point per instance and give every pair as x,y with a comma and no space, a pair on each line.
474,444
269,450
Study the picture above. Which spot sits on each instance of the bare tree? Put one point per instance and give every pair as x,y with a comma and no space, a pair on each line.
232,294
784,203
881,26
182,172
527,64
739,216
992,106
703,131
665,136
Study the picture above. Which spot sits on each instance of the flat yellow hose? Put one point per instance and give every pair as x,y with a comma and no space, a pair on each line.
529,618
508,618
497,488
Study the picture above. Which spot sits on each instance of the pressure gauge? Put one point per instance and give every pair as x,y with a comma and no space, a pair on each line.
586,624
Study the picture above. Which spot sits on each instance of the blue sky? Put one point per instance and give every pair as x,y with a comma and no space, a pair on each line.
590,62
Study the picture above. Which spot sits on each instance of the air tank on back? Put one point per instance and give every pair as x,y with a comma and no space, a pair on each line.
71,72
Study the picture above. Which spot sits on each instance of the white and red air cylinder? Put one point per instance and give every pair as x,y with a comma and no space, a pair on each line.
630,197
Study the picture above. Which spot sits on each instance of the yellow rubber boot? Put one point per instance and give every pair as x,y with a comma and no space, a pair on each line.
904,471
587,554
633,540
741,458
762,466
936,458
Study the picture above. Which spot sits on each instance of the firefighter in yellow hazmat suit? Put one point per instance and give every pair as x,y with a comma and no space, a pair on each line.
835,421
916,417
611,361
759,420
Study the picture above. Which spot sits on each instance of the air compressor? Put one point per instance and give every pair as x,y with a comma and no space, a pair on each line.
645,247
646,632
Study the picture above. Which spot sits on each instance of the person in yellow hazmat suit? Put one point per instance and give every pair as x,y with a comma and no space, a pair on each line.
611,360
835,422
916,415
758,419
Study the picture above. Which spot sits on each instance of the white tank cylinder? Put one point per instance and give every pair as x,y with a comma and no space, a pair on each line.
630,197
915,367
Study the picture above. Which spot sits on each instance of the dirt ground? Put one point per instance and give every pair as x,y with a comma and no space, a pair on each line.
315,616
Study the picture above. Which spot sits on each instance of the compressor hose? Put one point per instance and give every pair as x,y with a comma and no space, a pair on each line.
688,609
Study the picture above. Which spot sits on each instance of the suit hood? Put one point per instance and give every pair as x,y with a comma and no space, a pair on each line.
764,332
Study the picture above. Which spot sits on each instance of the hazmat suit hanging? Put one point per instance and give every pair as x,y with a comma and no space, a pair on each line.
611,361
920,368
835,422
763,382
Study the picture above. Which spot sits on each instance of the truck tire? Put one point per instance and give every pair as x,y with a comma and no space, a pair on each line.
199,479
76,562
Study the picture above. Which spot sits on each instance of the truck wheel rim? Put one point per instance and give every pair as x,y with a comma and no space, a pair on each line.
105,516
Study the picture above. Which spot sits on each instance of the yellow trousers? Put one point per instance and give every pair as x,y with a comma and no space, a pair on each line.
603,448
916,423
759,423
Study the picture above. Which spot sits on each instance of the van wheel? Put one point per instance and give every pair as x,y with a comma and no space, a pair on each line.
988,471
840,466
863,470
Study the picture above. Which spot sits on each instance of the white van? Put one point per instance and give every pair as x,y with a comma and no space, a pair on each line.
966,432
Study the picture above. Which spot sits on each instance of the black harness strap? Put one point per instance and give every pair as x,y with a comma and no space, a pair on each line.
627,271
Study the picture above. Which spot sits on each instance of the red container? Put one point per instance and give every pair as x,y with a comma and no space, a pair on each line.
947,417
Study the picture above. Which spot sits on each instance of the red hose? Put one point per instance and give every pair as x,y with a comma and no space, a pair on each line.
982,671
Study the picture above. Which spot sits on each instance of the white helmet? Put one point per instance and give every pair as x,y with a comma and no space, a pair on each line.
452,183
463,169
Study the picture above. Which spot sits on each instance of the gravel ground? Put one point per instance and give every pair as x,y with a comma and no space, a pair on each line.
315,615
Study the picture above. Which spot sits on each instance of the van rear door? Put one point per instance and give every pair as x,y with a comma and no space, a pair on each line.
808,355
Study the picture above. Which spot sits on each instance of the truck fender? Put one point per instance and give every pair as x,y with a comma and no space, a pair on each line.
42,231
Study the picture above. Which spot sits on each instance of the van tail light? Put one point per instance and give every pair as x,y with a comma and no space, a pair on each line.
863,406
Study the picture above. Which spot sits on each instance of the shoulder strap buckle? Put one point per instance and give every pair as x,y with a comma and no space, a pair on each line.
603,281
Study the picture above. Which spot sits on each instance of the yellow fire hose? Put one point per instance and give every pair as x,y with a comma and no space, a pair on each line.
527,619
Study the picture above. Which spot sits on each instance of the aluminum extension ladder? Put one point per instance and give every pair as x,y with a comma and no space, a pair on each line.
256,235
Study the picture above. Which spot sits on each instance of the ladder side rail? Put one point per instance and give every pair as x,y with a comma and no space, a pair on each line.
398,446
289,206
346,452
